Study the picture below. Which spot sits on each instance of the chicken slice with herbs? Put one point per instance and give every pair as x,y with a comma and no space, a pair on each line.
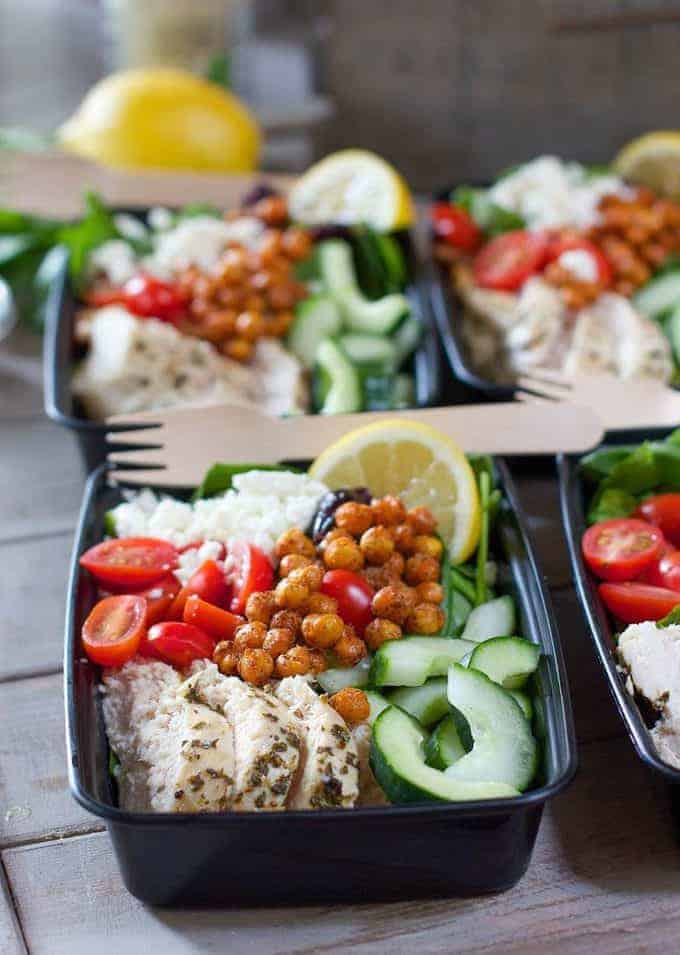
329,765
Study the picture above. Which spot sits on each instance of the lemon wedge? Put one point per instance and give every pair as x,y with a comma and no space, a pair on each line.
350,187
419,464
162,118
653,160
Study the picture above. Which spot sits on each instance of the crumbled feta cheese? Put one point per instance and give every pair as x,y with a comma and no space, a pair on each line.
580,263
200,241
548,193
115,260
130,227
191,560
160,219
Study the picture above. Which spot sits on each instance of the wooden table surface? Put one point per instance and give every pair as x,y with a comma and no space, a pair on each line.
604,874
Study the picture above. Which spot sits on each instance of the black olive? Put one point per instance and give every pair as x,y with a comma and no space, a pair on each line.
259,191
324,517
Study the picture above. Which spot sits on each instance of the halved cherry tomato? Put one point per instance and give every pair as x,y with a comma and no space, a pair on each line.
159,598
248,570
634,602
149,297
507,261
621,549
208,582
114,628
179,643
103,295
663,510
134,562
196,545
566,242
217,623
455,226
353,595
665,572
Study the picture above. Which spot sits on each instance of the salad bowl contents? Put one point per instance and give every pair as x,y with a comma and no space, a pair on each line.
561,266
630,550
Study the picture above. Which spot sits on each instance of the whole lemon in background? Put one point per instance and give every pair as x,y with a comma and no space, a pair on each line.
163,118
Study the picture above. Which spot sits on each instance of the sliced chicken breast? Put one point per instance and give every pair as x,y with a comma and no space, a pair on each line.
267,744
329,765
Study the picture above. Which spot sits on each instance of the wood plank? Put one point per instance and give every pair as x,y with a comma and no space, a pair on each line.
21,373
33,576
41,476
35,801
593,881
11,942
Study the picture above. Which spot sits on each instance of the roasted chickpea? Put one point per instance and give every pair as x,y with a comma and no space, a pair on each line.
376,544
319,661
380,630
216,326
430,592
226,658
395,565
425,618
421,520
278,641
395,602
273,210
351,704
276,324
310,576
322,630
287,620
270,247
388,510
296,244
290,595
294,662
250,636
291,562
379,577
320,603
429,545
250,325
420,568
354,518
260,606
232,266
238,349
255,304
343,554
282,295
294,541
255,666
350,649
335,533
403,538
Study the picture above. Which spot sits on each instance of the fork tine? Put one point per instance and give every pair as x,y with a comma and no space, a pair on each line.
154,457
136,437
543,389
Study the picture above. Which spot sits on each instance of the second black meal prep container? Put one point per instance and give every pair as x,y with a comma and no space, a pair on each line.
64,408
574,494
354,855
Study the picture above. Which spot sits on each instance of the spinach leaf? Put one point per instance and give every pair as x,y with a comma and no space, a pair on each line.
82,237
610,502
491,218
670,618
599,464
637,472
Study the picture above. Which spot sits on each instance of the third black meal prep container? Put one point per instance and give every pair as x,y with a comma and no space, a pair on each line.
354,855
574,494
63,407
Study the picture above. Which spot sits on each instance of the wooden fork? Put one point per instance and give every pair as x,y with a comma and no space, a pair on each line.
174,448
639,403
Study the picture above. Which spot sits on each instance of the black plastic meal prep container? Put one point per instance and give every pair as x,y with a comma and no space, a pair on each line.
356,855
63,407
574,494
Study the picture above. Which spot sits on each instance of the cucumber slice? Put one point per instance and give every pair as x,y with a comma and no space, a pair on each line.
427,703
378,392
339,388
444,747
370,351
316,318
508,661
338,678
377,317
406,338
110,524
524,701
378,703
411,660
459,611
504,749
672,329
495,618
398,764
403,391
658,294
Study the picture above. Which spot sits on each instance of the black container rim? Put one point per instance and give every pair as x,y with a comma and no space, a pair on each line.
488,807
599,625
426,360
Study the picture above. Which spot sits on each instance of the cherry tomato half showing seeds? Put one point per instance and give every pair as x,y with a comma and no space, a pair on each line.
132,562
456,226
507,261
179,643
149,297
353,595
634,602
621,549
217,623
114,628
663,510
248,571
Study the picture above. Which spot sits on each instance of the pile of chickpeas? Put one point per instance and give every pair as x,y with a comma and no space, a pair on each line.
250,294
296,629
637,235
